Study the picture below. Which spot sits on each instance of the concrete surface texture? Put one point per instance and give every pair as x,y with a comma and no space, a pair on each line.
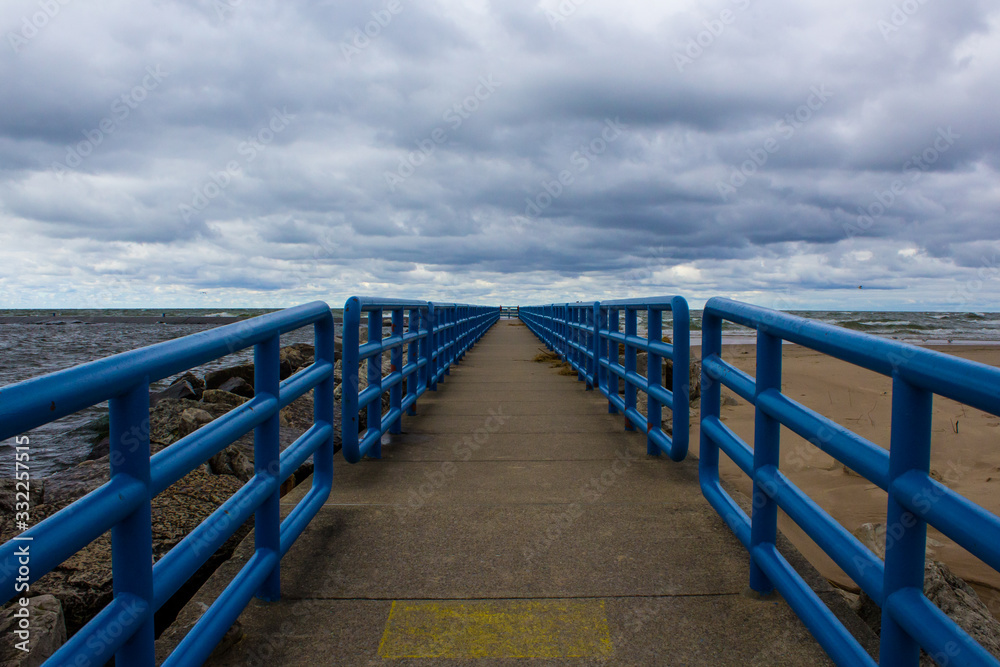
514,522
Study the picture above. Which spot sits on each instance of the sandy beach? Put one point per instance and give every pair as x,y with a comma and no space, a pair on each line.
965,454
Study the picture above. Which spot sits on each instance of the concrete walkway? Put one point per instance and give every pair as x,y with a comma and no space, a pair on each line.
516,522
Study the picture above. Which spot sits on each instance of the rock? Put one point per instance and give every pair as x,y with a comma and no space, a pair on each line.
100,450
219,397
694,378
231,461
942,587
296,356
196,382
729,400
238,386
67,485
215,379
93,431
48,632
193,419
182,388
165,419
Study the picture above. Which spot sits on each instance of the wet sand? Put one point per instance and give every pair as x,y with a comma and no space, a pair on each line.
965,451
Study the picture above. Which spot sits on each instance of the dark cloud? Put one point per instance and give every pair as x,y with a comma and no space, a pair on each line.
276,152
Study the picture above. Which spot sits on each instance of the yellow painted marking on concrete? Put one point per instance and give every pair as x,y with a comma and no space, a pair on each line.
496,629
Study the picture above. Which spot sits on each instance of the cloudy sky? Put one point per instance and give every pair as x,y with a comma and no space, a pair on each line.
240,152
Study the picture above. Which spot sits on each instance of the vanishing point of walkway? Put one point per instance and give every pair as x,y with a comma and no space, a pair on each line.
516,522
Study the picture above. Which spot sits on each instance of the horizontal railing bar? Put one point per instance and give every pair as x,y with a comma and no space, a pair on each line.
303,447
201,640
727,508
29,404
180,563
860,564
729,442
946,375
859,454
299,384
938,634
299,518
93,644
369,303
61,535
717,369
972,527
642,303
180,458
824,626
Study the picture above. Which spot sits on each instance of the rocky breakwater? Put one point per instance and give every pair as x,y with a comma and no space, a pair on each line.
82,585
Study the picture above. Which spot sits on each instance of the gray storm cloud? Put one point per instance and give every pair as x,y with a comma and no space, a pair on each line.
268,153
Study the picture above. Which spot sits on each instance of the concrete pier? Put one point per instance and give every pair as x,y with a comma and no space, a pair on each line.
513,522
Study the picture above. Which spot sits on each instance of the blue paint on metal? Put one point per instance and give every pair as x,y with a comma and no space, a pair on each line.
587,336
124,629
438,335
909,620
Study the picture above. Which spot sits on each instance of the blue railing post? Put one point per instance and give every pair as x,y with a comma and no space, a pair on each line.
132,538
654,378
711,404
766,453
375,380
434,357
594,316
613,382
631,329
351,379
448,315
681,386
396,364
909,450
267,521
323,405
415,381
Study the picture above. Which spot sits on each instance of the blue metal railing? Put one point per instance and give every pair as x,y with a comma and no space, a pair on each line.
909,619
587,336
437,335
123,505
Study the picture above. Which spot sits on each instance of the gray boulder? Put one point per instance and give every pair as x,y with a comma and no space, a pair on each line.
231,461
238,386
215,379
223,398
48,632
